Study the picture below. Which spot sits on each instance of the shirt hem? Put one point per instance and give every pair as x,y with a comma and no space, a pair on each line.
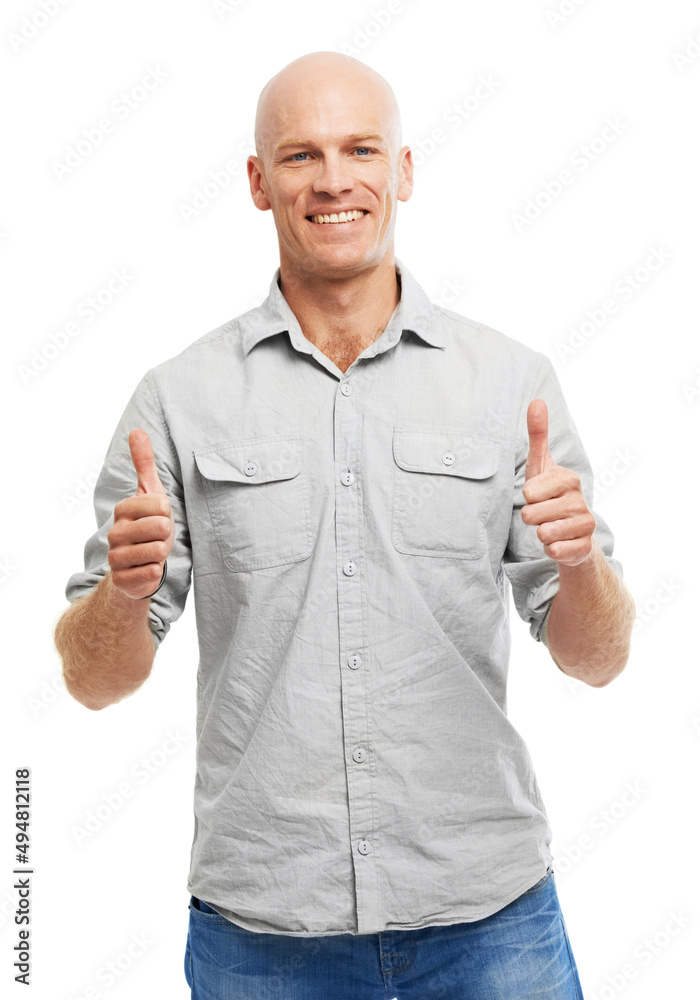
528,881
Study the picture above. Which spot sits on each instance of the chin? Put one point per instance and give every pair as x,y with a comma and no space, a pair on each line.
336,258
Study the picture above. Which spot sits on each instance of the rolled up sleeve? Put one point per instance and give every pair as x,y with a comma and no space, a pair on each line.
533,575
117,480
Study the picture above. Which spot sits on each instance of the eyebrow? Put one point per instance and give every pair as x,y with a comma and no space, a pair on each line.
353,137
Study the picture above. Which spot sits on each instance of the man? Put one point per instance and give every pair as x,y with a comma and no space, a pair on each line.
353,476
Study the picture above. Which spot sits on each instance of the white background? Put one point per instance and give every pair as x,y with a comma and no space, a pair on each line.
631,385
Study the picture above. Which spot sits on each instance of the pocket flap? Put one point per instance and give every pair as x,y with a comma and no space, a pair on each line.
259,460
449,453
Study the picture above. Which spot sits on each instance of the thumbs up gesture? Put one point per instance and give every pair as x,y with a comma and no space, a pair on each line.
144,527
554,498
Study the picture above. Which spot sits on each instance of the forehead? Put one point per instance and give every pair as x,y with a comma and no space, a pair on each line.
329,113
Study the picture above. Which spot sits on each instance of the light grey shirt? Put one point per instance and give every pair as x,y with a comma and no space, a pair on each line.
352,540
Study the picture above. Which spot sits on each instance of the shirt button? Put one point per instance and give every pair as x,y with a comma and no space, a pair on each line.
350,568
347,478
355,661
346,388
364,847
359,754
448,458
250,468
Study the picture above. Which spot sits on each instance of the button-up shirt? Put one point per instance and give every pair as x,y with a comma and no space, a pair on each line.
353,539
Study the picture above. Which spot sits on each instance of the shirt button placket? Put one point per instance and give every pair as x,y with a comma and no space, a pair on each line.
352,599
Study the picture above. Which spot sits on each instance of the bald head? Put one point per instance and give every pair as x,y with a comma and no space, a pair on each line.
308,83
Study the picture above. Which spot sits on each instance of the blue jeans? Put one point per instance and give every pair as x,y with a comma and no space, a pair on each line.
522,952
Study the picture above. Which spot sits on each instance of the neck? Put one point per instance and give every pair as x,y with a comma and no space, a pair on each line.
346,313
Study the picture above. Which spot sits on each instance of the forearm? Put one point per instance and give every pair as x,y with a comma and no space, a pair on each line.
590,622
105,643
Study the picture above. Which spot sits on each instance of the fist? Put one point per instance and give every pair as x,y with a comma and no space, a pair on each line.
144,527
554,498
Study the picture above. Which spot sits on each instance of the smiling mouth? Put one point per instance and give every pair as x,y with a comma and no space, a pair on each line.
337,219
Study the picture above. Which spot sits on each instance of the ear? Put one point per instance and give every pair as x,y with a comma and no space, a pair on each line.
256,177
405,174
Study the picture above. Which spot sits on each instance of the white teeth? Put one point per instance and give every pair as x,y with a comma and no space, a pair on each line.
341,217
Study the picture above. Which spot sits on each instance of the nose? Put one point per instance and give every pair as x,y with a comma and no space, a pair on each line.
333,176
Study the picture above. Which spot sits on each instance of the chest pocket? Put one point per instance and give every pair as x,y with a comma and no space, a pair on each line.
443,490
257,497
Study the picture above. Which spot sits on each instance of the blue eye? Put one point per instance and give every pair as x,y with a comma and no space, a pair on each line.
298,154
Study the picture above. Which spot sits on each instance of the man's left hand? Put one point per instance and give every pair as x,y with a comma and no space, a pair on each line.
554,498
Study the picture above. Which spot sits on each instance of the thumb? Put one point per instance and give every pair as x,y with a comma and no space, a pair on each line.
539,458
144,462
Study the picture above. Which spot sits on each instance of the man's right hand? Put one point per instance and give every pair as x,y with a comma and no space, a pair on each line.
144,527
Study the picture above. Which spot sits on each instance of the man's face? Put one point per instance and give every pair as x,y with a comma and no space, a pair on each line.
329,147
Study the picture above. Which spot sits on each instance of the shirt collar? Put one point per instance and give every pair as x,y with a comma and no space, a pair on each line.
414,313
